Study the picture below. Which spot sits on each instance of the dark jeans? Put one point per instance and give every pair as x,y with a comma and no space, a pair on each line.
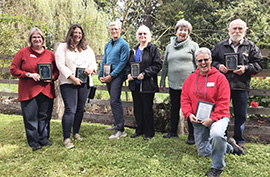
36,116
143,111
114,89
74,97
239,101
175,97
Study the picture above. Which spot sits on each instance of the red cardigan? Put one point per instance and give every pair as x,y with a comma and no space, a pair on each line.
25,61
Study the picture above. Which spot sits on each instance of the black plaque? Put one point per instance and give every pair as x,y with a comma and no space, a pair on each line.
45,71
81,75
231,60
204,110
135,69
107,69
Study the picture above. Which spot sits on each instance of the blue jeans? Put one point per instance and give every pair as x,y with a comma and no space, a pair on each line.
74,97
239,101
211,141
114,89
36,116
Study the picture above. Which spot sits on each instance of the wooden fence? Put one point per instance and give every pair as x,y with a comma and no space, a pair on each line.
107,118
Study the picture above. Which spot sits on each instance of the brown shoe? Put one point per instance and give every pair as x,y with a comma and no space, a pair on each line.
242,145
236,149
77,136
68,144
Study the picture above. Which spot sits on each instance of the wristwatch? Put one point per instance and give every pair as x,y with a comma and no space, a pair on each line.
28,74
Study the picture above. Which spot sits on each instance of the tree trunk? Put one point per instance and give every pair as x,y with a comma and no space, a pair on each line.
59,104
147,16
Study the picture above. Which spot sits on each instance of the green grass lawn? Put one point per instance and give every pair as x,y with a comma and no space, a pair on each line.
98,156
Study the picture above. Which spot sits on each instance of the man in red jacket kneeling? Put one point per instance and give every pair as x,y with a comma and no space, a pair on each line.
205,101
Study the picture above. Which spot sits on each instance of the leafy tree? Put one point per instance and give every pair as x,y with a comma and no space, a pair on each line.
53,18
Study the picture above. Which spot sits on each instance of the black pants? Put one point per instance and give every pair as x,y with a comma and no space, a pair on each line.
36,116
74,97
143,111
114,89
175,97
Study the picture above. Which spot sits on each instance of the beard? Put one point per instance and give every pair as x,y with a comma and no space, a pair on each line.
237,37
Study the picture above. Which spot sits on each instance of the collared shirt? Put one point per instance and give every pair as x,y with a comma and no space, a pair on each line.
235,47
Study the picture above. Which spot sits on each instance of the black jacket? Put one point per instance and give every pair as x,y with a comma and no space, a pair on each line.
150,65
249,56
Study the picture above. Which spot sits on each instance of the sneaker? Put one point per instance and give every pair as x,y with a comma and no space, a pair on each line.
170,135
214,172
68,144
112,128
77,136
117,134
236,149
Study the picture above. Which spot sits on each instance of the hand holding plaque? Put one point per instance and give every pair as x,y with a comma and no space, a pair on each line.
135,69
81,75
45,71
231,60
204,110
107,69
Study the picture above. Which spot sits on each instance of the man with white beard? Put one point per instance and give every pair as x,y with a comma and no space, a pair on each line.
249,63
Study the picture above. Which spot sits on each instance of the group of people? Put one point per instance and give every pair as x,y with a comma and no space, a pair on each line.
194,74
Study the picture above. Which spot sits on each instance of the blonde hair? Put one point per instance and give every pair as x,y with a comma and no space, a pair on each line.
31,32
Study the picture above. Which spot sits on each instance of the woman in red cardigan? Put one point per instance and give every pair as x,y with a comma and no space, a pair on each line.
35,94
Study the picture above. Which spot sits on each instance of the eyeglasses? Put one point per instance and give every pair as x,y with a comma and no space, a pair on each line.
114,29
205,60
142,34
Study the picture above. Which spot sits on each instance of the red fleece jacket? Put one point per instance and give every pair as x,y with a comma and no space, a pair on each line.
212,87
25,61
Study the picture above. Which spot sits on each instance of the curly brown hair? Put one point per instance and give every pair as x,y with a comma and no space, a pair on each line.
70,42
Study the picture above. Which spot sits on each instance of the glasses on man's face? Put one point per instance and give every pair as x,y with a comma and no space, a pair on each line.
201,60
114,29
142,34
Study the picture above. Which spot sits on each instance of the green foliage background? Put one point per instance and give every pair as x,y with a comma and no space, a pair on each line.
210,19
54,19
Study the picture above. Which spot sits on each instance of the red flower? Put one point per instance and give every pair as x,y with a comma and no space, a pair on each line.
263,77
254,77
268,80
253,104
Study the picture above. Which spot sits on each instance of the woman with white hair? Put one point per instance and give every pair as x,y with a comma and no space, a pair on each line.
179,62
145,59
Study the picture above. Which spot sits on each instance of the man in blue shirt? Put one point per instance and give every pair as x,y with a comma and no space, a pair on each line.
115,56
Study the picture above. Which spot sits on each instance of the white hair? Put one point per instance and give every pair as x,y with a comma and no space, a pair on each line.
203,50
116,23
238,21
146,30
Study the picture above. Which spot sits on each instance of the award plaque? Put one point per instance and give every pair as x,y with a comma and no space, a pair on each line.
45,71
231,60
135,69
80,74
204,110
107,69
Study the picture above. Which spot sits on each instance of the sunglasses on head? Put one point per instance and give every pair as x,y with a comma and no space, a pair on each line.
205,60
